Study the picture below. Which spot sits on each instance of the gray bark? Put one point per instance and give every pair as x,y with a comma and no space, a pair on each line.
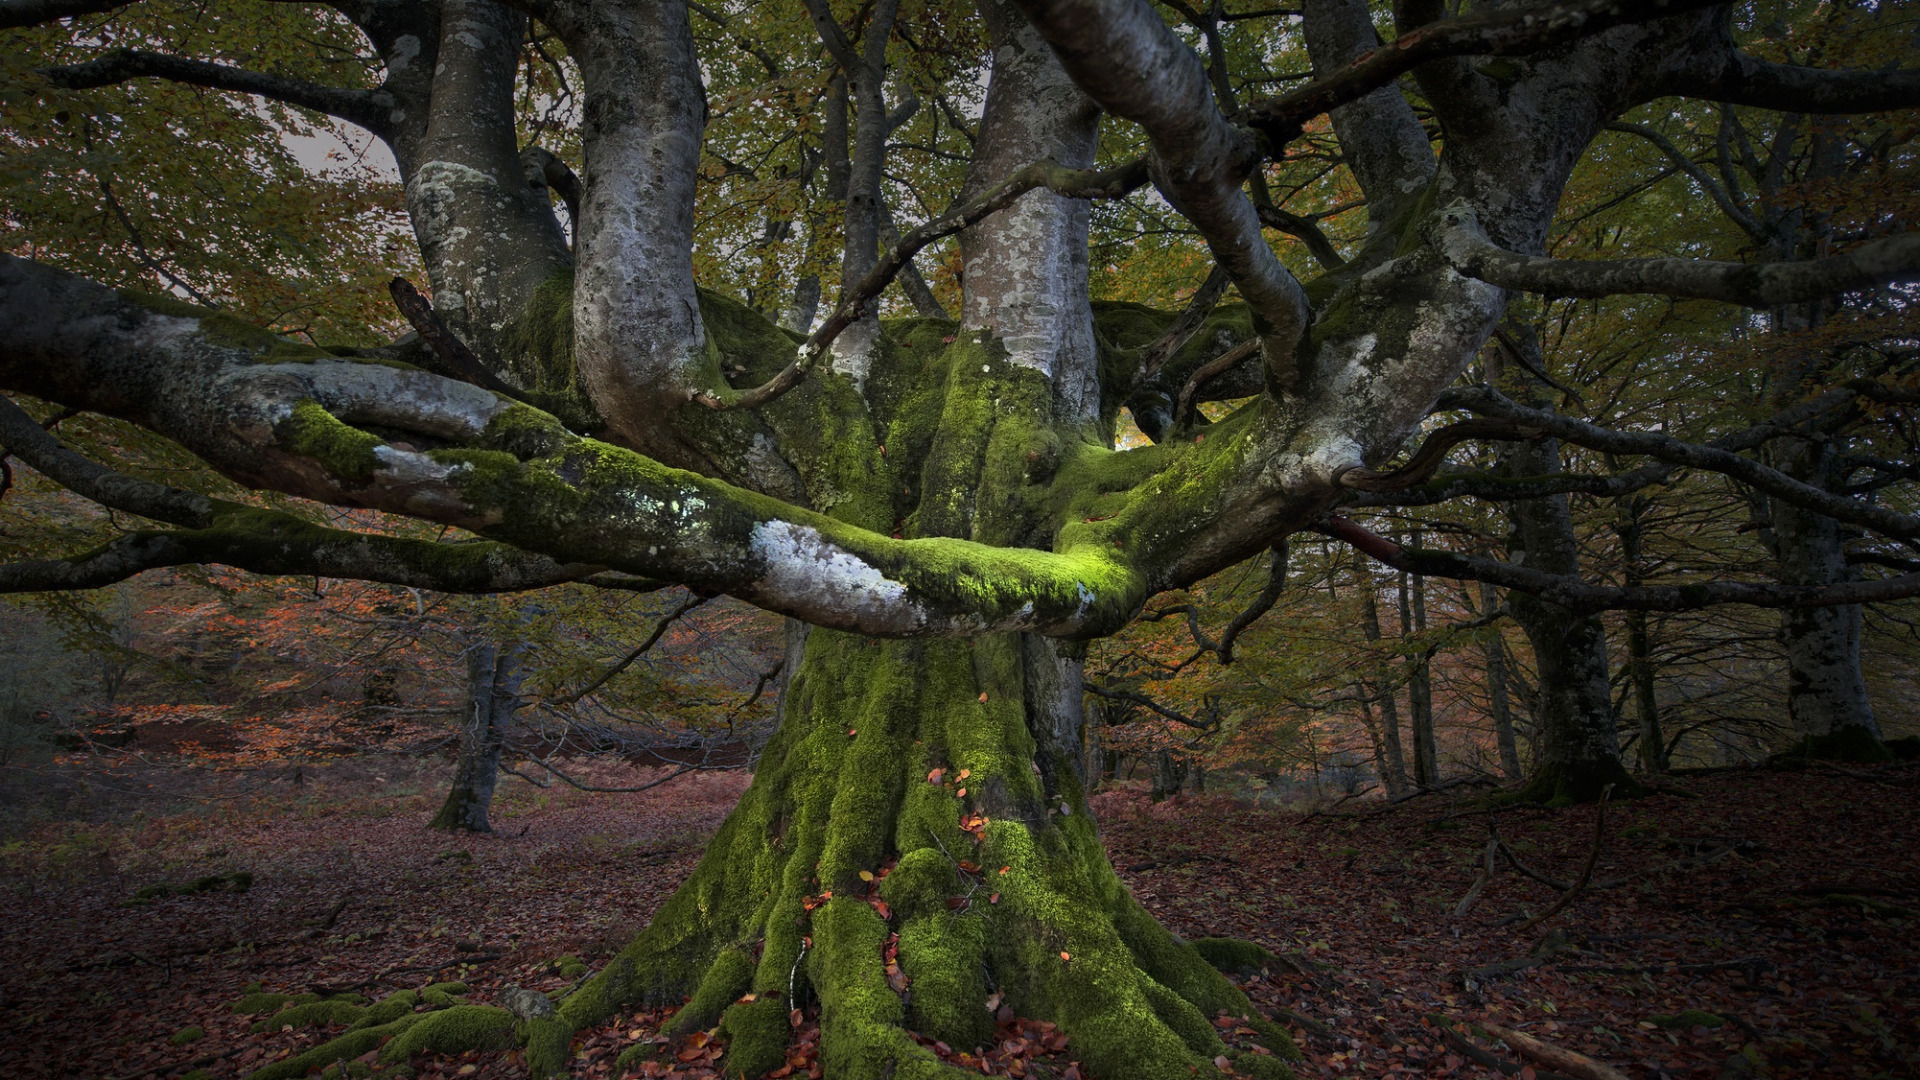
1498,706
1393,769
494,678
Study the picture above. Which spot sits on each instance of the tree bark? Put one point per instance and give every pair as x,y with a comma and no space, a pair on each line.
1826,693
1653,744
1579,751
494,678
1497,703
1413,623
1393,770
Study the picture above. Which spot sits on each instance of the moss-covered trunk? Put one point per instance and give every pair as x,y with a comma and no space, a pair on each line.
917,802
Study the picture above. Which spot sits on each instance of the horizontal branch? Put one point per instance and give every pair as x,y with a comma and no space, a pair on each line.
1145,702
1739,78
1719,456
1492,487
1433,453
1584,598
1880,262
18,13
366,108
1115,183
270,412
250,538
1494,32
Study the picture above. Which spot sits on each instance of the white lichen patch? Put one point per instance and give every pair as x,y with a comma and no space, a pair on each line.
804,571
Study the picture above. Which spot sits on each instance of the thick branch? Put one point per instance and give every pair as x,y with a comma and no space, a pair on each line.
272,413
1497,32
18,13
1758,285
1738,78
1433,453
365,108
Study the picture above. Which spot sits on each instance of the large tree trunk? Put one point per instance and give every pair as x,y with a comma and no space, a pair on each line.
936,768
493,695
1826,695
1579,751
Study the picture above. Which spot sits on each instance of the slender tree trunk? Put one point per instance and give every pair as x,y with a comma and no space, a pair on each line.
493,681
1497,703
1413,602
1394,768
1653,741
1387,780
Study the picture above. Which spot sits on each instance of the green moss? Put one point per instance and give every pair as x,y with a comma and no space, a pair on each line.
757,1034
635,1056
945,957
187,1035
1689,1018
920,882
729,978
388,1009
343,1048
1260,1066
311,431
536,348
1232,955
312,1014
452,1031
261,1004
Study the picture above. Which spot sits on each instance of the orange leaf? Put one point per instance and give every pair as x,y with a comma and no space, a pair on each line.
994,899
962,793
935,776
964,773
1004,869
851,732
983,697
1065,956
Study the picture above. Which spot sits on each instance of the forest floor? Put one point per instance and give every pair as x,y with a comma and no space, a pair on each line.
1763,927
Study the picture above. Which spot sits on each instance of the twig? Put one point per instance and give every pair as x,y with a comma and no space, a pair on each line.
1480,880
1578,1066
1586,872
1467,1048
451,350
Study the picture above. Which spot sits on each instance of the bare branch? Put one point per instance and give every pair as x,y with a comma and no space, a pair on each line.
659,629
1760,285
450,349
1433,453
18,13
1583,598
1719,456
365,108
1738,78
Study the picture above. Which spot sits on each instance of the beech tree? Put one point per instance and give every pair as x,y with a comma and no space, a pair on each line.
938,500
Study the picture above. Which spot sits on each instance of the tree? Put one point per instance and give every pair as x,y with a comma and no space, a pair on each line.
938,500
